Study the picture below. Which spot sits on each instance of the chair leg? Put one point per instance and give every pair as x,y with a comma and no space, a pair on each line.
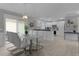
25,50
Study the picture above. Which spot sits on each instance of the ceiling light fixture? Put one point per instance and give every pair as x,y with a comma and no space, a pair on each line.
25,17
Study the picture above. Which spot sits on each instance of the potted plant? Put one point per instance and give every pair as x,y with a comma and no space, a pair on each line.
26,29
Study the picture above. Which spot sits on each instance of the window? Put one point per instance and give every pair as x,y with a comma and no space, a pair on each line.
20,28
11,25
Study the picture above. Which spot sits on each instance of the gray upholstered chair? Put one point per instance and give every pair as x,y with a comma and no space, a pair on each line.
16,41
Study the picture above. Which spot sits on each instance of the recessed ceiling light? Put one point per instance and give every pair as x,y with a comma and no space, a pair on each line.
61,18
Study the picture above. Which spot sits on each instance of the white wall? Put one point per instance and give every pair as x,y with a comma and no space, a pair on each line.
2,29
78,24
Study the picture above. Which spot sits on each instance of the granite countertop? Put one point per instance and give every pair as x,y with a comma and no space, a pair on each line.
41,30
72,32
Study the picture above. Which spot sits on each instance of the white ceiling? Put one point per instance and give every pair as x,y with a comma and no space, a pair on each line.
50,10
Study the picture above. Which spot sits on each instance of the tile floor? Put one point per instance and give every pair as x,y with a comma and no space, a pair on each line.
56,47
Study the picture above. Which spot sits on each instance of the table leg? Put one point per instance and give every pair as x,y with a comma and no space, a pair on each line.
30,47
